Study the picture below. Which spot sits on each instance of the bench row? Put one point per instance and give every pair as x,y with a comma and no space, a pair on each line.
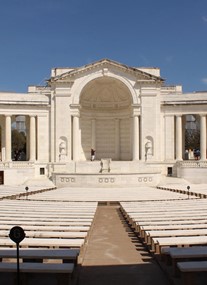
36,261
186,261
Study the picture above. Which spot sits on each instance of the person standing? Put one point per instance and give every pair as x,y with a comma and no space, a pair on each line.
93,154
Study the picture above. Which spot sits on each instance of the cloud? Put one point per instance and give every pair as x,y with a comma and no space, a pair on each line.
204,18
204,80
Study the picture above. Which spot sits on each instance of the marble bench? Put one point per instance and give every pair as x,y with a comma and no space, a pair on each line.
148,235
48,234
189,268
65,255
177,254
45,242
139,226
45,223
39,228
158,243
34,261
62,272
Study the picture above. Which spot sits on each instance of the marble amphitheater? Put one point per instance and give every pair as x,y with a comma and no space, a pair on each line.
117,218
135,123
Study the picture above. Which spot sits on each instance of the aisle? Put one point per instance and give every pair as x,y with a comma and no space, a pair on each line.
115,256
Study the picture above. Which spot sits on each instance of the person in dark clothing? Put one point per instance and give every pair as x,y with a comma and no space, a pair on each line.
93,152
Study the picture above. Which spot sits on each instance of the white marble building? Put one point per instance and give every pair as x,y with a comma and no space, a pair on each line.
128,115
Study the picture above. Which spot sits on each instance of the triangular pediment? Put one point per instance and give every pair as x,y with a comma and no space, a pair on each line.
104,65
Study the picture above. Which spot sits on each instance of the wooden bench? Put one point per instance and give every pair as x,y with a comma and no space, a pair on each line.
189,268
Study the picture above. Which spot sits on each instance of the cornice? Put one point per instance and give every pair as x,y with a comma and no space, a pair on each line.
175,103
105,65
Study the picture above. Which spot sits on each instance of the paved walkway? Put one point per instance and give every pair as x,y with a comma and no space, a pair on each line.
115,256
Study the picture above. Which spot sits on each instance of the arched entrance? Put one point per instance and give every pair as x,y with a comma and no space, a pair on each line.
105,119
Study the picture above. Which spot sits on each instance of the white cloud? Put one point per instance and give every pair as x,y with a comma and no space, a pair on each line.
204,80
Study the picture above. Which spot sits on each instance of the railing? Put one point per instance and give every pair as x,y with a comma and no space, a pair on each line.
16,164
192,164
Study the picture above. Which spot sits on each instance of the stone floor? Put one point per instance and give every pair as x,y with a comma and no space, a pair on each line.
114,255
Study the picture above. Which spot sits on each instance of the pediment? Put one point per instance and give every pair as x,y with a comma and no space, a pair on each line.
105,66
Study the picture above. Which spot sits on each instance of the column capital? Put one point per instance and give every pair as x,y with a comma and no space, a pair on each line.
135,111
75,110
75,107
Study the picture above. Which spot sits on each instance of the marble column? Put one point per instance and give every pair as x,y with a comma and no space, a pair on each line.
117,139
135,143
75,137
32,139
8,138
27,122
93,134
203,137
179,137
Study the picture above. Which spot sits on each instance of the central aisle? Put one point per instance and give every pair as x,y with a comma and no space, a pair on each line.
114,255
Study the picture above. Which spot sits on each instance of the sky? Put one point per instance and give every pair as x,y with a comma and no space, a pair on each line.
38,35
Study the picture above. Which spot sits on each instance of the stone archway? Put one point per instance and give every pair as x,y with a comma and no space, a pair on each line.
105,119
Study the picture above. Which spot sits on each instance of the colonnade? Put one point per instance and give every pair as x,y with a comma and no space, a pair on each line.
136,155
7,139
32,137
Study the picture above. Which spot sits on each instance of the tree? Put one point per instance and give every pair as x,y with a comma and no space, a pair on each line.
18,143
192,139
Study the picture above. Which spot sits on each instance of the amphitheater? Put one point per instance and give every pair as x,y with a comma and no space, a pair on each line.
136,214
103,235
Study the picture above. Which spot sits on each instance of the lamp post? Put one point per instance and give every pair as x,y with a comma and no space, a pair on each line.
26,188
17,234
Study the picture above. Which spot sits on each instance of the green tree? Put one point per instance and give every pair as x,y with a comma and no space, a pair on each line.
18,143
192,139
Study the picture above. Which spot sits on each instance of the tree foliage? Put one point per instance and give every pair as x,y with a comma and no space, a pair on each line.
18,143
192,139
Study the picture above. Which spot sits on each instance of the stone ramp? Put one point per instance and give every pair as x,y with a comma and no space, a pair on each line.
114,254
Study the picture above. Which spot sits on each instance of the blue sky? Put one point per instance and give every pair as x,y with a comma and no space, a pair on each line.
37,35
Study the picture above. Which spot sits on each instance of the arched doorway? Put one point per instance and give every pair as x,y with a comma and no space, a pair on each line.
105,119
